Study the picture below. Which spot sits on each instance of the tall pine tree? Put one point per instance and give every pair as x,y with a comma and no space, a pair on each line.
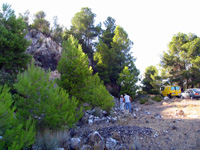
12,43
77,79
111,61
74,68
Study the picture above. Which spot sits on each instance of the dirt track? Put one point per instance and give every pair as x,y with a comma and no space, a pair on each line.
177,129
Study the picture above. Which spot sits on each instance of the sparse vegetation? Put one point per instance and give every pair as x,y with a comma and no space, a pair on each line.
52,140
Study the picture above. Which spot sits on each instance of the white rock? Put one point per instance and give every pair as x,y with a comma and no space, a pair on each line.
96,119
111,143
86,147
90,121
91,116
75,143
147,112
166,98
157,116
114,118
155,135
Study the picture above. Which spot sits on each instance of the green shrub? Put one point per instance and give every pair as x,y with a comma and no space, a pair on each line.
6,78
97,111
15,135
143,100
40,40
86,107
45,102
102,98
97,94
157,98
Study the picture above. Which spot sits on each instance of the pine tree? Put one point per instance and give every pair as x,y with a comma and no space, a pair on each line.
151,81
76,77
40,23
12,43
42,100
16,135
97,94
127,81
112,58
74,69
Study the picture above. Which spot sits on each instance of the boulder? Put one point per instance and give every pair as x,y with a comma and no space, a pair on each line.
96,140
158,116
45,51
111,143
75,143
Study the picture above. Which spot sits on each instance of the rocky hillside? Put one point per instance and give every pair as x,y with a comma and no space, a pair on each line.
45,51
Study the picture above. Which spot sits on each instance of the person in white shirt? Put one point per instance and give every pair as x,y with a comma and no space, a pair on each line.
127,102
121,102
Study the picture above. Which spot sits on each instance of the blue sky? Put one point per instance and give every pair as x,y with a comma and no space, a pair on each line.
150,24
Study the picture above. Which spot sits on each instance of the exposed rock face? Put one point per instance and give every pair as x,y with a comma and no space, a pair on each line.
45,51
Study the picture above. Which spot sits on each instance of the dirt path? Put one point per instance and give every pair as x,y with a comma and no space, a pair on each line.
176,124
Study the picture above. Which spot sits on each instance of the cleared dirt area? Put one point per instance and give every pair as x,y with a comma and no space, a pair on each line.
176,124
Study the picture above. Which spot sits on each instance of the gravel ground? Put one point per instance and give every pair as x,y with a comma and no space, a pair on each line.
175,123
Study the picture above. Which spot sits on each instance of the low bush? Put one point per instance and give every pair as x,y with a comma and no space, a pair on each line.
97,95
157,98
143,100
97,111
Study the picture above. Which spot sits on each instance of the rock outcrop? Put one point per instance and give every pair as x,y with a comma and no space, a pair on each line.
45,51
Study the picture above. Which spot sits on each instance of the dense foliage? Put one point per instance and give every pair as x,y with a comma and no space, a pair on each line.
181,63
84,30
73,67
40,23
97,95
152,81
127,82
42,100
12,44
77,79
108,49
112,58
15,135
